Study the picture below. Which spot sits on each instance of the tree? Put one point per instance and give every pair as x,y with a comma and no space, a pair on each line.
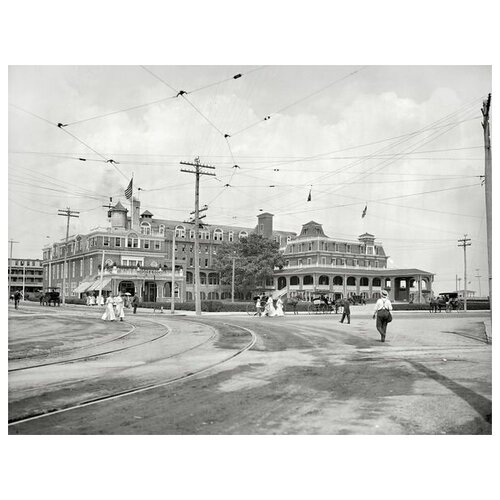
255,257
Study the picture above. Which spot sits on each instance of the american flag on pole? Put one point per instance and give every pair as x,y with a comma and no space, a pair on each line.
364,211
128,191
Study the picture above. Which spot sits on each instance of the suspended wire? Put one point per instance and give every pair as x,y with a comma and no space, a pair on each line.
124,110
32,114
268,117
160,79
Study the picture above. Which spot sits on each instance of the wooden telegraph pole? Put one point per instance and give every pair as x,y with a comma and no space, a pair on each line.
464,242
198,172
11,241
487,182
172,291
66,213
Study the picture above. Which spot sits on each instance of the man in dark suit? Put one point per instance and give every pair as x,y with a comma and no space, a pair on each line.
347,311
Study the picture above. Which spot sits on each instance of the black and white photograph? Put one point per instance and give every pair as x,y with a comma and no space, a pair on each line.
250,250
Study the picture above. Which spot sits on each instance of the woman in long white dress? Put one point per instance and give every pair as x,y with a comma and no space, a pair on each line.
279,307
109,313
271,311
120,309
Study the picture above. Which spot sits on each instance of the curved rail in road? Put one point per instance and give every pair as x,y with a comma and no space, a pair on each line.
144,388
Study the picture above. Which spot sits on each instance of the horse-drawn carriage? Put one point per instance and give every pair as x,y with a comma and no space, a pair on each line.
447,301
321,305
50,296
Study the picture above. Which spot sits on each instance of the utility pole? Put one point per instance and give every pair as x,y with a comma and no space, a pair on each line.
487,182
198,171
66,213
456,282
464,242
232,280
11,241
109,207
172,298
478,281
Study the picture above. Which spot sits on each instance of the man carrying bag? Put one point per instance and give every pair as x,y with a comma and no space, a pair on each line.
382,311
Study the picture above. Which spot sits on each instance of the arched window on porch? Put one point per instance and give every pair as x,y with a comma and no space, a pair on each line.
308,279
338,280
351,281
376,282
189,296
281,282
202,296
203,279
324,280
213,279
363,281
294,281
189,277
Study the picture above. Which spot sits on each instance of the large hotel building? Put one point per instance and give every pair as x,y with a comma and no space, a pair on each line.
137,256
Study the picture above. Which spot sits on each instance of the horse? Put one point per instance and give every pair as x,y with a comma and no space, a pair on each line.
293,301
437,303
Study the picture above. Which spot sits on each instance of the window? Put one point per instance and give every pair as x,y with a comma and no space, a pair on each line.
334,261
376,263
213,279
191,261
105,241
191,233
180,231
308,280
288,239
348,248
218,235
363,282
309,261
299,262
73,269
203,279
351,281
310,246
145,244
369,250
145,228
323,261
355,262
157,245
206,262
81,268
90,265
243,234
117,242
376,282
287,263
343,262
231,236
161,230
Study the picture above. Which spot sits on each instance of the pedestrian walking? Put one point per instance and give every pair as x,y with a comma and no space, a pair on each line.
135,302
120,307
382,312
100,300
270,310
279,307
346,313
92,299
17,298
258,307
109,312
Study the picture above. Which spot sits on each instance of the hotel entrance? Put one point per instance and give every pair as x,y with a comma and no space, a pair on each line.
150,291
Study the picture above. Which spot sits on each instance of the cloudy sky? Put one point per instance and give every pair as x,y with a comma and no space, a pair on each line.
405,141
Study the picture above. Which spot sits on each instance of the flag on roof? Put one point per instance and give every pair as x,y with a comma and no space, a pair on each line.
309,198
364,211
128,191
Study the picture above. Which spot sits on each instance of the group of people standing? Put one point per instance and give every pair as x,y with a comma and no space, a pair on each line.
115,306
264,306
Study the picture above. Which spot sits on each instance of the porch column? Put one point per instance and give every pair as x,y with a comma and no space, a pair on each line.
419,289
345,286
392,293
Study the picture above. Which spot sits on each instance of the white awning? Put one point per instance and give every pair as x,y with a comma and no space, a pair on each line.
96,285
82,287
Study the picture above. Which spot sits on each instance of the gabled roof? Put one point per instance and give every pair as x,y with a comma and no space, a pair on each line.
119,208
366,235
146,213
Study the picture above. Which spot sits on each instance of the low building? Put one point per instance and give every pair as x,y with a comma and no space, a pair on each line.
25,275
319,265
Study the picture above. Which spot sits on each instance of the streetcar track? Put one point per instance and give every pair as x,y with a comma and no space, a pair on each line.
95,355
144,388
60,351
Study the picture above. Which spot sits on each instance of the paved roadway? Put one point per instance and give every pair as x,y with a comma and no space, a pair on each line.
304,374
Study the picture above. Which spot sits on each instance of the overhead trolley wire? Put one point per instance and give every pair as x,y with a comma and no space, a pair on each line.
268,117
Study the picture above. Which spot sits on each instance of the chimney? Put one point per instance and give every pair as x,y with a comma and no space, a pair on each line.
136,204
